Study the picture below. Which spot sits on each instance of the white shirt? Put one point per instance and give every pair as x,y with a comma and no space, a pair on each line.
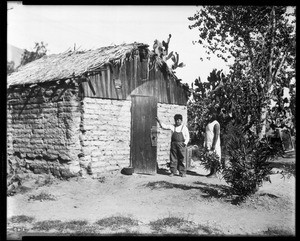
185,131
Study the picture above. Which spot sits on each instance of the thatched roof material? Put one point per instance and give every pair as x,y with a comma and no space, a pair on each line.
69,65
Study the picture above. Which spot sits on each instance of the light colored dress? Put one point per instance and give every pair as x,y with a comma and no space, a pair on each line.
209,136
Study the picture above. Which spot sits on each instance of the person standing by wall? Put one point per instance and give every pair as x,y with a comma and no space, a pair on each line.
179,140
212,140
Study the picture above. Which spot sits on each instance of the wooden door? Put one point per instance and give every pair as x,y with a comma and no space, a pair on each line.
143,149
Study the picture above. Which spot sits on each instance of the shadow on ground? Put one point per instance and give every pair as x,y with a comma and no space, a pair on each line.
194,174
162,171
208,190
287,165
214,190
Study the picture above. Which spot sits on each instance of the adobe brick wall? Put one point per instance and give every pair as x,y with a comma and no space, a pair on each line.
68,135
42,130
105,134
165,113
105,137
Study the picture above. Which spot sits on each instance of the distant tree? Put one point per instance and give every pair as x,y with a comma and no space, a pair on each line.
10,67
39,51
262,41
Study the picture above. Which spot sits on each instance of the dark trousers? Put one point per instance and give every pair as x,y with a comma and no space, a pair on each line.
177,157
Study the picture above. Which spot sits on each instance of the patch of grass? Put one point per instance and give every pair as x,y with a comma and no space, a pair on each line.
45,180
198,229
117,222
208,229
47,225
101,179
42,197
24,189
86,230
278,232
21,219
168,222
75,225
188,230
182,226
120,224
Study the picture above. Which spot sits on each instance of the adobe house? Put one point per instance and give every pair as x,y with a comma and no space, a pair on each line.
92,111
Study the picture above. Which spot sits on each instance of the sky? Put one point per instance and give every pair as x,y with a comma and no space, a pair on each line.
90,27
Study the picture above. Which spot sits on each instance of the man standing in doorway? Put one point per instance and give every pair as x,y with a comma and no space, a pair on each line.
179,140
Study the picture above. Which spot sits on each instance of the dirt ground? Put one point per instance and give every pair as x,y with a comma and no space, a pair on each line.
146,198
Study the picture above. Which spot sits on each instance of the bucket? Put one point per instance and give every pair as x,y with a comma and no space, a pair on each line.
127,170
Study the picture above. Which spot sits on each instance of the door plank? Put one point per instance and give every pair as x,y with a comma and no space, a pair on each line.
143,153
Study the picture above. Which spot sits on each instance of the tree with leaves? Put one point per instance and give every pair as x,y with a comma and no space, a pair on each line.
10,67
39,51
246,154
262,41
231,99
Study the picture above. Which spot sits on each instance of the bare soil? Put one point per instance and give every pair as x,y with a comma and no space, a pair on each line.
147,198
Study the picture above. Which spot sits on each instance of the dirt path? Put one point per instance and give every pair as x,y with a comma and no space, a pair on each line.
148,198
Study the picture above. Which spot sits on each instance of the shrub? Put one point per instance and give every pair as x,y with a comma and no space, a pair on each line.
208,160
249,161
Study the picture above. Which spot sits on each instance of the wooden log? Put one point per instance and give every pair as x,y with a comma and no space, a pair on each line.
128,75
113,91
103,81
99,91
91,86
135,71
100,84
154,83
159,79
125,81
117,81
121,77
144,70
108,82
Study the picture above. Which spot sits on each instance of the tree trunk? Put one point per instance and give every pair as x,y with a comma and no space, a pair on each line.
263,119
264,109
